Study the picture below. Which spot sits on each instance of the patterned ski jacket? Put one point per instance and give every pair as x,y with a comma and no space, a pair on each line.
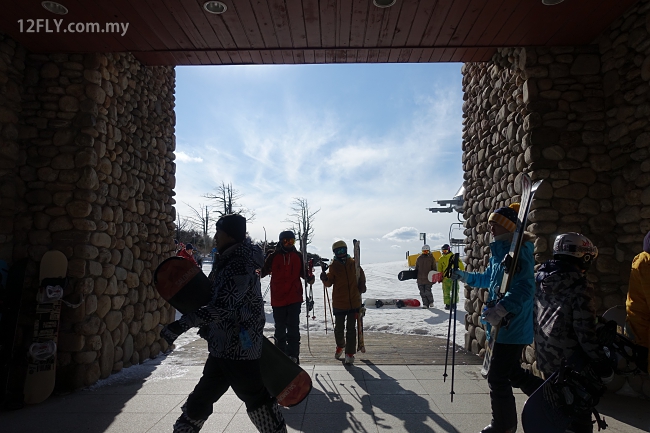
424,264
519,298
565,317
235,317
638,301
346,294
445,260
286,268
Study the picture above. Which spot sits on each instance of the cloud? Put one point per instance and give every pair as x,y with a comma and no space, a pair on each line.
396,247
435,236
402,234
184,157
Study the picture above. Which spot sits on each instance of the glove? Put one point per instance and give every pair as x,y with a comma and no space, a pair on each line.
171,332
459,275
311,279
493,315
323,276
204,331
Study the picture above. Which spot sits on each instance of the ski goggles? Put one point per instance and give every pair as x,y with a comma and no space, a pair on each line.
288,241
341,251
425,251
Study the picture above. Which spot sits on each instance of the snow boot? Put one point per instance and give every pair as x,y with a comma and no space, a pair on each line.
446,306
268,418
185,424
349,358
490,429
338,353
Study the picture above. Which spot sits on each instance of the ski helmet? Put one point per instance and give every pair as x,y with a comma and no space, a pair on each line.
338,244
445,247
426,248
575,248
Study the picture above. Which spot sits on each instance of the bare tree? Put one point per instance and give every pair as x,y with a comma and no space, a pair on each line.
302,220
227,199
201,218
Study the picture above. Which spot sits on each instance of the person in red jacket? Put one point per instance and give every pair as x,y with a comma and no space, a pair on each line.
188,253
286,267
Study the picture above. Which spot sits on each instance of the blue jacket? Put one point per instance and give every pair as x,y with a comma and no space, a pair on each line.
520,297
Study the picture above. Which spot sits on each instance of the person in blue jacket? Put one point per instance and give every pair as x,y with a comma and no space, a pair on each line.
505,368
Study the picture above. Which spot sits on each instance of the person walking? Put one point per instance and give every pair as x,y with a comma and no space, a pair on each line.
188,253
286,267
447,283
233,324
423,265
346,299
638,303
505,369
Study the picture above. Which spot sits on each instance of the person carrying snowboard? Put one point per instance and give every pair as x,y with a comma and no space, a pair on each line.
232,323
423,265
505,370
286,268
346,299
187,253
443,266
638,302
565,315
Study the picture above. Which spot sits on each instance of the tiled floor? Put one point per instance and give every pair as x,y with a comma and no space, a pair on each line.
364,398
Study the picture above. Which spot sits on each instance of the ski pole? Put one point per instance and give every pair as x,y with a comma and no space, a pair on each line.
325,308
447,274
454,298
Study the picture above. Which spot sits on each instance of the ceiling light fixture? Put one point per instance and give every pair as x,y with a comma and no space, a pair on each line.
55,8
551,2
383,3
215,7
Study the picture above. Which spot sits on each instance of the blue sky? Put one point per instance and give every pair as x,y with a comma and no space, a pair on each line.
370,145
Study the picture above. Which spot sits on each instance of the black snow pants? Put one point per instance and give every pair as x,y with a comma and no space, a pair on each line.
287,328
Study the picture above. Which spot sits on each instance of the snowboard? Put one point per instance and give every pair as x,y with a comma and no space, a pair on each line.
510,261
361,345
411,274
41,355
435,277
391,303
188,291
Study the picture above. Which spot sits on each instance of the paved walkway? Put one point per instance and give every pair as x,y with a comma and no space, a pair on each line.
364,398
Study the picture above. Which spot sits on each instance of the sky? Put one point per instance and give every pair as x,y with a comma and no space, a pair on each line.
370,146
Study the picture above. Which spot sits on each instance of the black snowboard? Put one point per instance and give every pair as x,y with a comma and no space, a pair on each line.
181,283
407,275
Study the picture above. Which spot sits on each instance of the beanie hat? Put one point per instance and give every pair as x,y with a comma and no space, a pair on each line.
506,217
287,234
189,246
338,244
445,247
234,225
646,243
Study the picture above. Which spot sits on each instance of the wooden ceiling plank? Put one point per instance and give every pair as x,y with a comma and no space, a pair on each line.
276,56
281,23
416,53
420,21
218,24
297,23
483,54
330,56
311,14
373,55
328,23
256,57
150,20
447,53
405,55
358,25
249,22
404,23
245,56
463,54
384,55
299,57
340,56
186,23
265,22
267,57
235,57
436,22
351,55
425,55
235,25
362,55
522,12
485,19
309,57
454,16
344,22
373,26
287,57
225,58
198,17
319,56
169,23
389,24
203,57
467,23
436,54
214,57
502,18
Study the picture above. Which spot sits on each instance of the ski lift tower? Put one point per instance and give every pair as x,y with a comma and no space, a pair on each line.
456,235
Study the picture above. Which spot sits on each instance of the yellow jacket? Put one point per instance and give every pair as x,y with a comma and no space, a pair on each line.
443,263
346,294
638,301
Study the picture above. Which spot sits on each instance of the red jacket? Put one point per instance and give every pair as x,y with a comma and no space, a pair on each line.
286,269
184,254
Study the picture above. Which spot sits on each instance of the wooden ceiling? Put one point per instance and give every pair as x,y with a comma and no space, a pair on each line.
181,32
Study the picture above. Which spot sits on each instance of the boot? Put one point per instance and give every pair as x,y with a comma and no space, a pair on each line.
268,418
185,424
338,353
349,358
490,429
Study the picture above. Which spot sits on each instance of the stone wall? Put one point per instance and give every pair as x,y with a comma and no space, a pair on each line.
93,159
576,117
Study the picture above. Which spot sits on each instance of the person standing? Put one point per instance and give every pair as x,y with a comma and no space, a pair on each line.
232,323
346,299
286,267
638,302
447,283
505,368
423,265
565,316
187,253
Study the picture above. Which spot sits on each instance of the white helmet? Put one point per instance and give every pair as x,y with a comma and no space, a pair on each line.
577,246
426,247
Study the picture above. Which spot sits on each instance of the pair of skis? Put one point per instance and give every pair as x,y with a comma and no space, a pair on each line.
309,294
361,345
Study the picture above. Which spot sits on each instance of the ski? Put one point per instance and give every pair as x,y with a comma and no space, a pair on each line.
309,301
509,262
361,346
